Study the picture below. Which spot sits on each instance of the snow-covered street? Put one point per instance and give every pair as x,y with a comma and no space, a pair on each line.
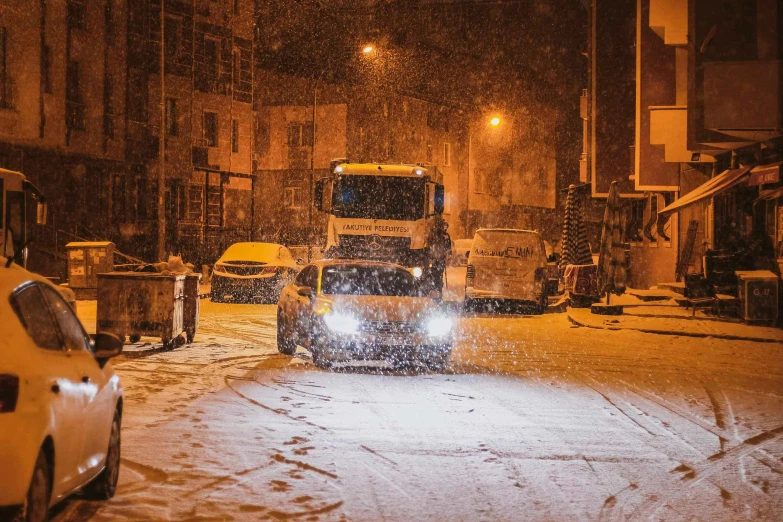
533,419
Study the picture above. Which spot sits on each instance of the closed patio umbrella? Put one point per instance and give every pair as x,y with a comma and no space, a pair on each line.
575,247
612,265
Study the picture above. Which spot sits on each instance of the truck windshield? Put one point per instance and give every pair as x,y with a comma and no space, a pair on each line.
379,197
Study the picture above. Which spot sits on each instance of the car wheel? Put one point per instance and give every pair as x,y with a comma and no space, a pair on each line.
285,344
105,484
36,506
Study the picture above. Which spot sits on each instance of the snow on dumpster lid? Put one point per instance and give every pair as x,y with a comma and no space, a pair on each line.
88,244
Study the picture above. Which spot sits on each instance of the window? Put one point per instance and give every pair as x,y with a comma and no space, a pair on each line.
119,206
108,107
3,69
72,332
147,198
479,178
211,129
211,63
137,95
195,203
74,112
293,198
172,117
543,178
429,152
172,35
33,313
236,6
77,15
300,135
447,154
234,135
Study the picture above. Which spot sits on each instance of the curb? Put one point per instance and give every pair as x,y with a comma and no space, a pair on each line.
680,334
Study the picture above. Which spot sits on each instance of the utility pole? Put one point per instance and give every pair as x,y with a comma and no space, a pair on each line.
162,143
312,176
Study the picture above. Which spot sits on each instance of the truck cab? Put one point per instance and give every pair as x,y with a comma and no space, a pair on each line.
15,191
380,212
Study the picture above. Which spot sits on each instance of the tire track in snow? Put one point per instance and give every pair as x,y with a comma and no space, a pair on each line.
278,411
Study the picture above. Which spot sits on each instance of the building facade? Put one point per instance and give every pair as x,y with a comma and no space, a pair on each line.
681,99
81,114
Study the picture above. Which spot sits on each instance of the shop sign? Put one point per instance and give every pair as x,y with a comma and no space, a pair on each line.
764,175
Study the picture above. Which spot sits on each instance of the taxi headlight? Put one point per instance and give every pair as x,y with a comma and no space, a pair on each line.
439,326
342,323
219,268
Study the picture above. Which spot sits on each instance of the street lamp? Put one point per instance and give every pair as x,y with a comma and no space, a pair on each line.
368,49
494,121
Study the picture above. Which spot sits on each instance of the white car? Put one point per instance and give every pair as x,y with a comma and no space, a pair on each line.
345,310
60,400
507,269
250,271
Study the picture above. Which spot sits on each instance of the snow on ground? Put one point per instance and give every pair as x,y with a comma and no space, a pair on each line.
533,419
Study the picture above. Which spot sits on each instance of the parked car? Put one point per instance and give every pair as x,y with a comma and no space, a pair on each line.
252,271
345,310
60,401
507,270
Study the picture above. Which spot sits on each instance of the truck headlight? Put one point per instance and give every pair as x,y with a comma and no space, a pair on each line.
341,323
439,326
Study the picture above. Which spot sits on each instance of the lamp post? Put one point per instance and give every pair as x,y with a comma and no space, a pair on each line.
494,122
312,176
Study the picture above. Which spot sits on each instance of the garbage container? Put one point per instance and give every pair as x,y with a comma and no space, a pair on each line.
191,306
758,295
137,303
85,261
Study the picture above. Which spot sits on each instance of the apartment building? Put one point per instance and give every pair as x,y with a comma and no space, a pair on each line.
355,122
81,112
684,111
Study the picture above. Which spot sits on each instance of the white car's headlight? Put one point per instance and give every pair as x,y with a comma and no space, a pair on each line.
342,323
439,326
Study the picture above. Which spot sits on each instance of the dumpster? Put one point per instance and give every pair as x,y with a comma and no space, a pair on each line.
191,306
141,303
758,295
85,261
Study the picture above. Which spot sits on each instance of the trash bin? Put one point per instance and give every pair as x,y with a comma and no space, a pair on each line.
758,295
191,306
138,303
85,261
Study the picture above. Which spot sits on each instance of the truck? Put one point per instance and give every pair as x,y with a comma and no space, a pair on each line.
16,192
380,212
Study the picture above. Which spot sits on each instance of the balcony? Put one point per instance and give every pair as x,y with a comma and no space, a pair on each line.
669,129
743,99
669,20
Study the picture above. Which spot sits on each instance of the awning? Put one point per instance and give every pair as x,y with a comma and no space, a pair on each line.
723,181
770,194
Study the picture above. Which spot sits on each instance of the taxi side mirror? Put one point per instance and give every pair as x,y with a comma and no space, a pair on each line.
305,291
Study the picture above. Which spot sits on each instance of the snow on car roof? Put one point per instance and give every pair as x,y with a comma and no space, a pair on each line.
252,252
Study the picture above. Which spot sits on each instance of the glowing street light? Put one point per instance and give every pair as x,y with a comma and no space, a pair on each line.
368,49
494,121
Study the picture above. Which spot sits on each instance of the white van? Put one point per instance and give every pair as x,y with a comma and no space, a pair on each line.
506,267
